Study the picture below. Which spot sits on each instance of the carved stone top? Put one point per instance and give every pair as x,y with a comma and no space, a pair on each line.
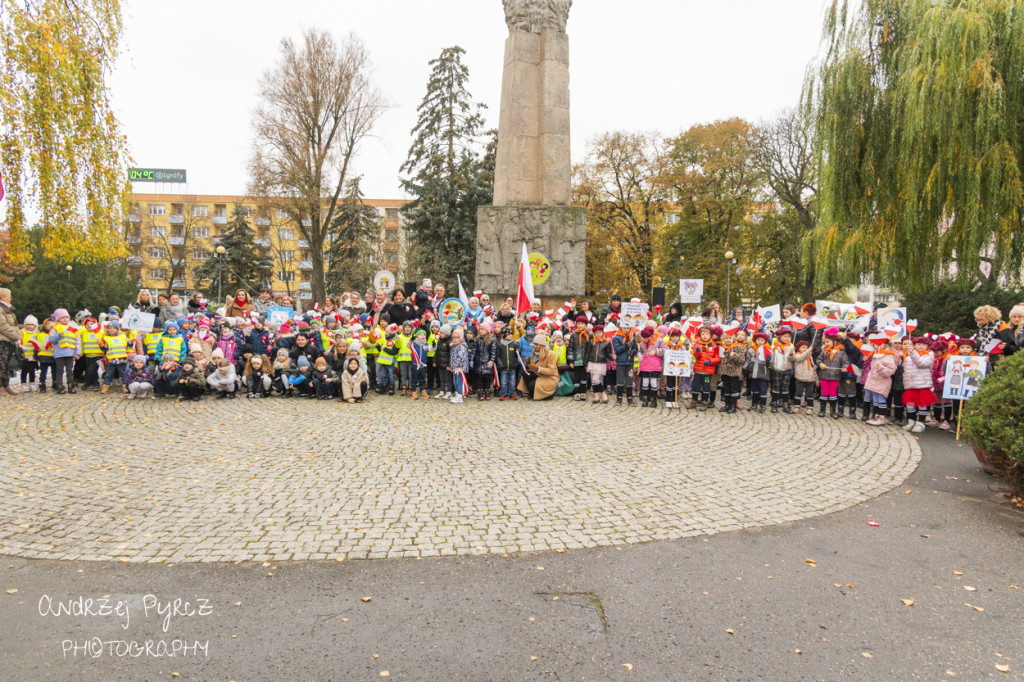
535,16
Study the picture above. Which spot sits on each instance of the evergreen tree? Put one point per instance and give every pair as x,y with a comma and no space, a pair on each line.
355,238
920,132
447,177
241,266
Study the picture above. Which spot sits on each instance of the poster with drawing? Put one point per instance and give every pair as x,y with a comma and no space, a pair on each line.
678,363
633,315
964,374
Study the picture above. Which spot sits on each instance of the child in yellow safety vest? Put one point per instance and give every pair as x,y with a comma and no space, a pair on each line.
405,365
44,353
66,349
115,346
29,342
90,336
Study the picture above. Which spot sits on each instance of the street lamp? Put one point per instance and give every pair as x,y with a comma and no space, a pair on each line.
68,268
220,271
730,260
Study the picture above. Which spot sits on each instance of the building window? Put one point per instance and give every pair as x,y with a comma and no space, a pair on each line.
157,252
220,211
157,209
285,276
671,218
244,211
286,234
307,276
158,231
177,209
282,214
177,231
287,256
159,273
392,214
200,211
200,254
391,235
201,232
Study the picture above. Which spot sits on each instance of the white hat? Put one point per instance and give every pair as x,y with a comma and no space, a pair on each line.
30,319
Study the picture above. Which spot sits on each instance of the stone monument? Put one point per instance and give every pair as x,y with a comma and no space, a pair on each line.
532,171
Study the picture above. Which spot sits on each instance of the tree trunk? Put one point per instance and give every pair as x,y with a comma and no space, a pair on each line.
317,256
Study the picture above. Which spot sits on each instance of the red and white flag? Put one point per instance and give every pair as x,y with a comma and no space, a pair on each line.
862,308
819,322
731,328
994,347
796,322
911,326
524,285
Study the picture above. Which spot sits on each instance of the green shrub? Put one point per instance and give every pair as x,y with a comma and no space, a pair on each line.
993,419
949,307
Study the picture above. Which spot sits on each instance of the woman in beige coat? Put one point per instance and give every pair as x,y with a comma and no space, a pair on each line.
354,384
542,380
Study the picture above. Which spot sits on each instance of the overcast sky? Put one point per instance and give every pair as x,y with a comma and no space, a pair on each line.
186,82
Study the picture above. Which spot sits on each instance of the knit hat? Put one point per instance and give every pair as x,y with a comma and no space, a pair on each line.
217,353
187,361
285,328
663,329
59,313
487,327
530,331
112,323
303,361
616,297
247,348
446,329
158,324
506,331
169,356
760,335
420,332
139,356
30,319
715,330
204,322
81,315
540,340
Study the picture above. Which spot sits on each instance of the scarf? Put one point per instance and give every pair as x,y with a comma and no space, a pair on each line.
986,332
761,353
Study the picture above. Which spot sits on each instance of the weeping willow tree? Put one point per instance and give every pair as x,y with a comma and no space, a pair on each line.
62,153
919,108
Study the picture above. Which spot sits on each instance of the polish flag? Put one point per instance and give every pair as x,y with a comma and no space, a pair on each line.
796,322
893,330
878,339
524,285
731,328
862,308
994,347
756,322
819,322
911,326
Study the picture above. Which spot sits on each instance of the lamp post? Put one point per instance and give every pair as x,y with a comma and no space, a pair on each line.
730,261
220,272
68,268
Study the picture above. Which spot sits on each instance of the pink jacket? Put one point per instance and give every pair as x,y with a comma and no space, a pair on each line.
917,371
651,363
879,379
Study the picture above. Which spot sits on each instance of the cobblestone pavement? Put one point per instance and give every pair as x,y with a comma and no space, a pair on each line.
100,478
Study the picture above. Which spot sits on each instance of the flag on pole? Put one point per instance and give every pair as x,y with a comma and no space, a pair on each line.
819,322
524,285
462,293
770,314
796,322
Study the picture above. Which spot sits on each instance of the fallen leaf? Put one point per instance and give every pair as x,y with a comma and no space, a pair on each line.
951,673
385,673
344,620
540,568
730,632
375,657
1002,668
825,639
532,619
836,585
867,654
627,666
238,603
366,598
976,608
798,652
812,562
175,674
908,602
12,591
958,572
970,589
533,658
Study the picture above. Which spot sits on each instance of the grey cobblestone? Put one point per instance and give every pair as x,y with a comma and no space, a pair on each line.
100,478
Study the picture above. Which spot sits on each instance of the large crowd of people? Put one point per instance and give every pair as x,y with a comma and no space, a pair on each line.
353,345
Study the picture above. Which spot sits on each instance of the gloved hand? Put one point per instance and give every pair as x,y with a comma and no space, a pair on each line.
707,363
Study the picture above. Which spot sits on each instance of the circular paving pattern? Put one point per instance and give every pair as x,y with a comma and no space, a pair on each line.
100,478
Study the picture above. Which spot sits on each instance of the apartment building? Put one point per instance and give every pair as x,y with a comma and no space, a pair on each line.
170,236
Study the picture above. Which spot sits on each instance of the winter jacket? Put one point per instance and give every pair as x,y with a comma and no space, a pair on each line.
169,375
706,357
309,351
9,325
803,364
782,357
223,381
757,362
835,362
484,355
651,352
443,353
254,382
262,341
525,348
459,357
578,348
140,376
879,379
625,349
350,384
601,352
732,361
286,341
505,356
328,375
917,370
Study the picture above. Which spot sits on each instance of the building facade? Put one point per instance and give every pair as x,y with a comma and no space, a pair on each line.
170,236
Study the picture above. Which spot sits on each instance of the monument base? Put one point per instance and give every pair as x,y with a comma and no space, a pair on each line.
558,232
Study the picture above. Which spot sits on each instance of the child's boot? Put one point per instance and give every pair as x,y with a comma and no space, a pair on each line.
821,408
104,389
868,412
853,407
775,406
629,396
618,395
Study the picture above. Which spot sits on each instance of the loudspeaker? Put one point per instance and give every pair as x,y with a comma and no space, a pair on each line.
410,289
658,296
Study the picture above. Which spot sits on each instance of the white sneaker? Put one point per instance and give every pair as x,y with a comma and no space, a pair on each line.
910,424
456,399
918,427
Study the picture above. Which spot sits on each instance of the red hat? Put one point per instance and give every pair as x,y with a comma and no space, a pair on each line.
581,319
922,339
783,331
598,328
675,331
715,330
760,335
938,346
647,332
853,336
802,343
966,342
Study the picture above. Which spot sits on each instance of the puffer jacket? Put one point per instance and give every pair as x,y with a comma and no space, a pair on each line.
706,357
835,362
485,354
651,352
9,325
803,364
917,371
505,356
758,367
601,352
879,379
578,349
625,349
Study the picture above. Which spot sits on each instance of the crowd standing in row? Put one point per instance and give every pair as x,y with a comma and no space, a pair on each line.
354,345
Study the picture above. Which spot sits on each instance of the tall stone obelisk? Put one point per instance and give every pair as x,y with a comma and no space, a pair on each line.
533,171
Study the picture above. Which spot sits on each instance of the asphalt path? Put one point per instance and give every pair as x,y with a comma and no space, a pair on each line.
934,591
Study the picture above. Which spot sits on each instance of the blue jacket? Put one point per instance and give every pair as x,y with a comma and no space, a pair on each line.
625,350
261,341
525,348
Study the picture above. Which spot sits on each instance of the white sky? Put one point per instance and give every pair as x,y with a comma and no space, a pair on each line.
186,83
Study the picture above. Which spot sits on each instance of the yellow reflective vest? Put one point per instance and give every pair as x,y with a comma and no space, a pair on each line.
117,347
90,343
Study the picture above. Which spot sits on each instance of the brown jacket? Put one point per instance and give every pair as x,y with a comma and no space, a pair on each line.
232,309
732,363
8,325
546,367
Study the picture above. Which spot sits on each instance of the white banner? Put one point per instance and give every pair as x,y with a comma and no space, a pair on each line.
691,290
137,321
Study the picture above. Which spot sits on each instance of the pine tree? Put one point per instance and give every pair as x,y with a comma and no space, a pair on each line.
355,239
240,267
447,176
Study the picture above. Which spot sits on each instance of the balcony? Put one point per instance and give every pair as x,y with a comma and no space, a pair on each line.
219,220
305,265
133,260
177,261
178,284
263,221
176,219
262,242
303,244
176,241
133,239
305,286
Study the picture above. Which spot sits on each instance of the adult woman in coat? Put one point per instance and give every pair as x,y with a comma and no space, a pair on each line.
10,338
238,305
542,380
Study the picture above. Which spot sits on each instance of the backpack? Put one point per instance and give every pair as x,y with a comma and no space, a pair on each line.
565,386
